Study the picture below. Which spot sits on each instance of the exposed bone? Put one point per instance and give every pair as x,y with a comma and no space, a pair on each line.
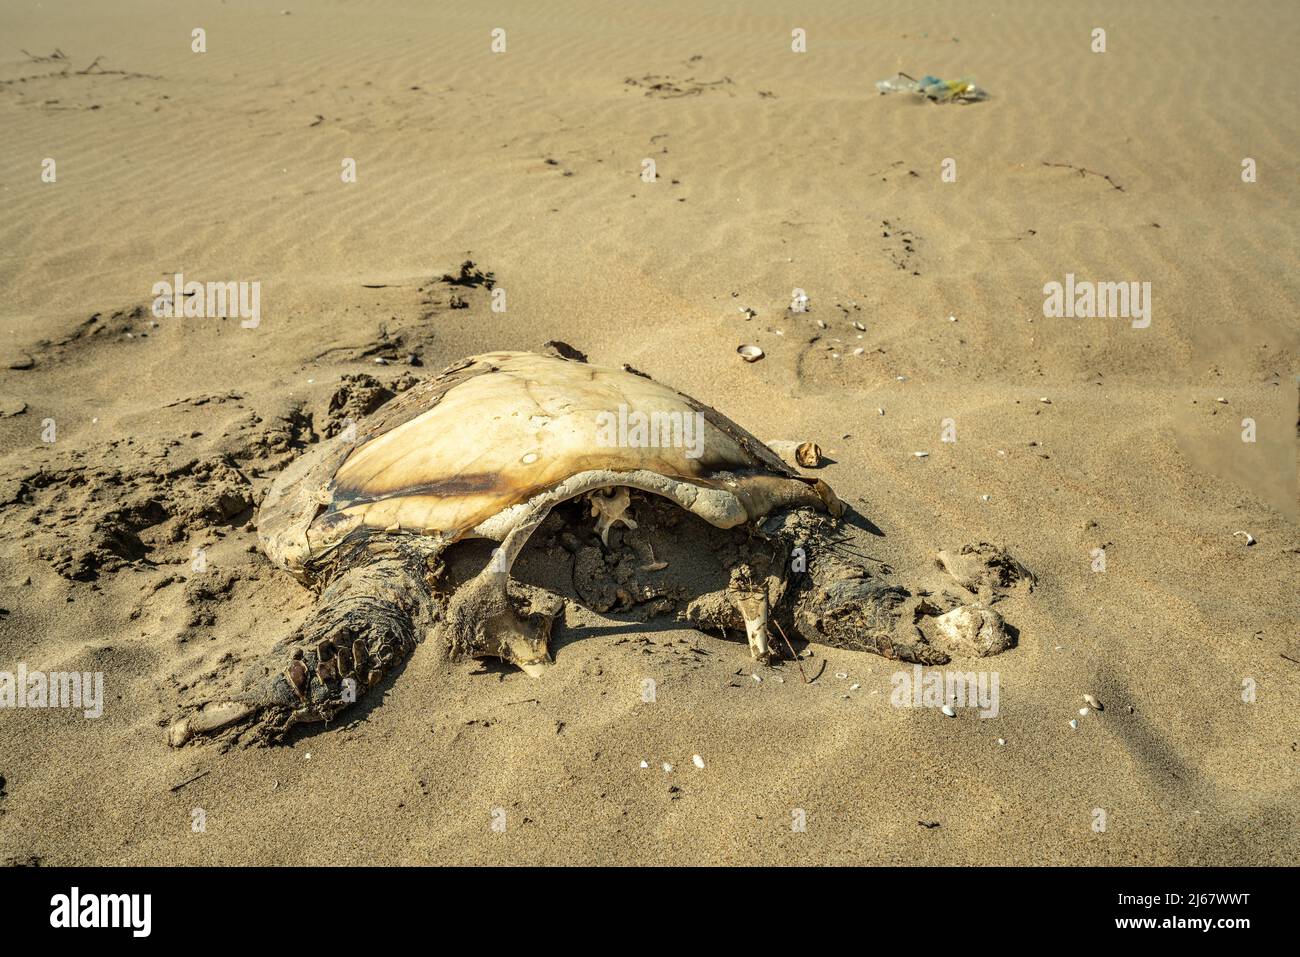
755,608
609,509
211,718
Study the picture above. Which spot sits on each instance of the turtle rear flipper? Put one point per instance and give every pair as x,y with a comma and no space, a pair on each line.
366,622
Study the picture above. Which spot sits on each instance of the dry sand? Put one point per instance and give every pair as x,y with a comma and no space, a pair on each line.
776,170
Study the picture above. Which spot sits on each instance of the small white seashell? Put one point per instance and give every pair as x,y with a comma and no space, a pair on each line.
529,458
1083,712
859,326
821,324
984,498
858,351
1074,724
841,675
1093,703
880,411
922,455
1002,740
952,318
668,768
756,678
1045,400
854,687
1221,400
645,764
949,710
901,378
1250,539
698,761
750,353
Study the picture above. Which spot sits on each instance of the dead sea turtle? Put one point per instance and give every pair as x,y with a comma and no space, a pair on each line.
598,469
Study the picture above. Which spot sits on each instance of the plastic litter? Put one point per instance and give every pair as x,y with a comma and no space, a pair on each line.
934,89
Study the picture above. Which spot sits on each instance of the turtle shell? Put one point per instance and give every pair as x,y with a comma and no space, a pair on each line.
489,433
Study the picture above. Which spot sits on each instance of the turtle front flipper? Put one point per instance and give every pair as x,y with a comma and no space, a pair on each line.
368,619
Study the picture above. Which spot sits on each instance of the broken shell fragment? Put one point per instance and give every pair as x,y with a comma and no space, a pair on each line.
750,353
1093,703
806,455
1250,539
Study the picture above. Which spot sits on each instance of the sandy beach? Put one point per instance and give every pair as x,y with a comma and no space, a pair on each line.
351,158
